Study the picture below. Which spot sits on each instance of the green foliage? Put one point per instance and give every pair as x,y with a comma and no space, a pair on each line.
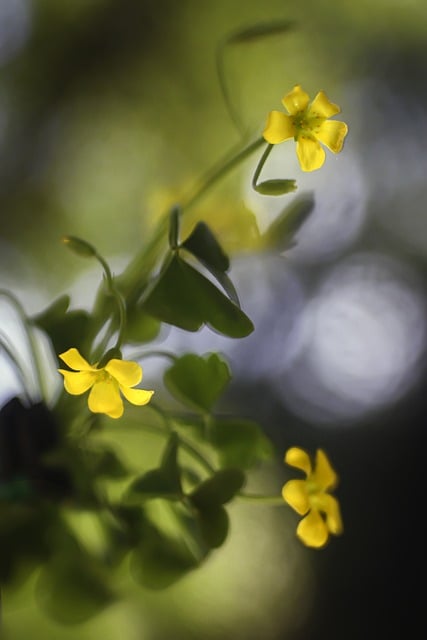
182,296
281,233
197,381
65,328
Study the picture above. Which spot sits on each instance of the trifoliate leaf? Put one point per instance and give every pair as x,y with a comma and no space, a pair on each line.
198,381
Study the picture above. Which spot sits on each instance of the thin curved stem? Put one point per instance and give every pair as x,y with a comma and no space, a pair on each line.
32,344
260,499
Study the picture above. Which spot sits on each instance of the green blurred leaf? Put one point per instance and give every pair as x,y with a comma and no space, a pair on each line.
240,443
163,482
185,298
73,588
275,187
169,547
205,247
218,489
174,227
65,328
198,381
140,327
153,484
105,462
280,234
214,525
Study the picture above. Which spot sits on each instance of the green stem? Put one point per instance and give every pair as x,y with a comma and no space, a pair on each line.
121,307
260,165
32,344
259,499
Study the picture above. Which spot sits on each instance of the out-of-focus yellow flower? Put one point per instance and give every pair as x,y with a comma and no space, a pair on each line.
105,383
311,497
309,125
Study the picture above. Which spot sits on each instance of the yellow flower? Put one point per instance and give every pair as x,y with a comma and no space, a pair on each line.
105,383
311,497
308,124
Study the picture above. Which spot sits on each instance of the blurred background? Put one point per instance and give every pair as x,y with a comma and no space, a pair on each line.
109,109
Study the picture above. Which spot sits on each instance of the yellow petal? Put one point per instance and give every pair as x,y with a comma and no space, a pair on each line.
296,101
75,361
310,154
298,458
77,382
125,372
136,396
295,494
329,505
322,107
105,398
279,127
332,134
324,475
312,530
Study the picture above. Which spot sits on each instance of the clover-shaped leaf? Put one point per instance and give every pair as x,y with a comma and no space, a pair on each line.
162,482
198,381
183,297
240,443
217,490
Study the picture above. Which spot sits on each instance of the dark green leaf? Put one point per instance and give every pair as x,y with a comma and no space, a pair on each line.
163,558
169,466
164,482
275,187
73,588
105,462
214,525
174,227
203,245
218,489
240,443
153,484
280,234
65,329
140,327
47,318
198,381
184,297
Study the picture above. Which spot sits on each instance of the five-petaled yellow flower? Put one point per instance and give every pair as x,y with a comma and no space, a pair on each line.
105,383
308,124
311,497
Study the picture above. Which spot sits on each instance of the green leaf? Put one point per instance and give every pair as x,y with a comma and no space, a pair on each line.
214,525
205,247
105,462
275,187
169,547
140,327
280,234
240,443
182,296
198,381
52,313
65,328
174,227
218,489
164,482
73,588
153,484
